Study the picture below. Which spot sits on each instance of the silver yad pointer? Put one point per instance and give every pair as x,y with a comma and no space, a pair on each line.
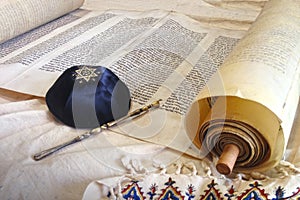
95,131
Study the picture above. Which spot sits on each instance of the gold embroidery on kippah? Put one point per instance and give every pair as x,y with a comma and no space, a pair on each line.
87,74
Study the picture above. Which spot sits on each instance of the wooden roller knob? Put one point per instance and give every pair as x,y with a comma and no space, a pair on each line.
227,159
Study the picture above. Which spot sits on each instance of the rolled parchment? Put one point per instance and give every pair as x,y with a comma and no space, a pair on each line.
245,113
20,16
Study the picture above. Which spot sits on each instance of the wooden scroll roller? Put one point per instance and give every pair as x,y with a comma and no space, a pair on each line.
227,159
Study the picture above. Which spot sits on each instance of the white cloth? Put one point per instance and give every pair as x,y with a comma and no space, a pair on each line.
27,127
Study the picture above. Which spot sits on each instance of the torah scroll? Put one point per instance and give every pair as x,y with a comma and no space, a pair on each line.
19,16
249,104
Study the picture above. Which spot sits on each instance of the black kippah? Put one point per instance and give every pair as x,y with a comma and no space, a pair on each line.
88,96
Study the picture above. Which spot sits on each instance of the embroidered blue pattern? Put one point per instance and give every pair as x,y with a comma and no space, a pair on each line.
255,191
152,191
212,193
190,192
133,191
171,192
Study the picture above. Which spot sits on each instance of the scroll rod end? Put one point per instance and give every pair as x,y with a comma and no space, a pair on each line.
228,158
